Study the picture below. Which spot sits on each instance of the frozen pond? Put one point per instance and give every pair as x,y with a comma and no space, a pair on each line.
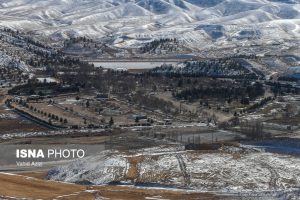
131,64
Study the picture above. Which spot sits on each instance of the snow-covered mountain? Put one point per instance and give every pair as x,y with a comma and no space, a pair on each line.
198,23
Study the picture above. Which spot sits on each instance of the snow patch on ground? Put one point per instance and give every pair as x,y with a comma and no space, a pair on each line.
230,170
8,61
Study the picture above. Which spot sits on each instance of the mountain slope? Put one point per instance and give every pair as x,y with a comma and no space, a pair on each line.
143,20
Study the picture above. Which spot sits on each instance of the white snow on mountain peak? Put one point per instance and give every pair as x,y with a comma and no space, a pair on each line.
223,20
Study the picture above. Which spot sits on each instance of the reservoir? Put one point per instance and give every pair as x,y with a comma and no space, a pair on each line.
125,65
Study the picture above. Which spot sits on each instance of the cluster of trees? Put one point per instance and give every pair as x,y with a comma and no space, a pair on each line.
281,89
37,54
28,45
37,88
78,39
226,67
21,36
260,104
12,74
288,78
153,103
55,61
86,42
113,81
221,92
164,43
87,45
50,116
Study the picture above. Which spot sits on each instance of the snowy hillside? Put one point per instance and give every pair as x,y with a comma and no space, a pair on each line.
232,169
198,23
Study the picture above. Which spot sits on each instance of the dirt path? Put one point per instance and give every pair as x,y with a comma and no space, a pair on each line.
182,165
273,177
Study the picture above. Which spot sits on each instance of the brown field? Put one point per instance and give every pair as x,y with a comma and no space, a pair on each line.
14,125
18,124
72,118
27,187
